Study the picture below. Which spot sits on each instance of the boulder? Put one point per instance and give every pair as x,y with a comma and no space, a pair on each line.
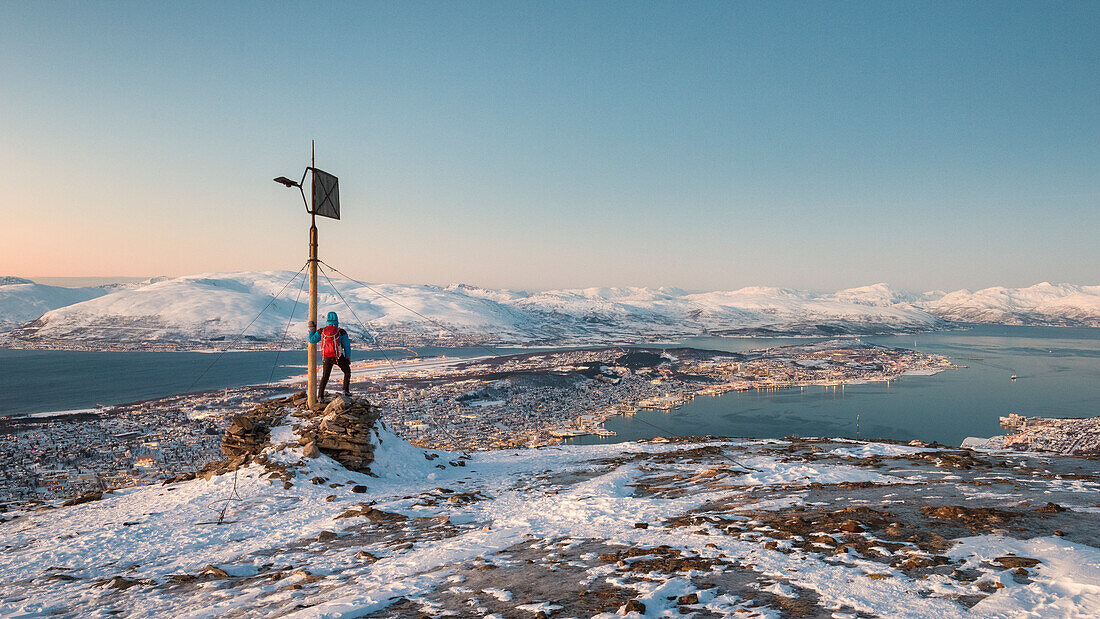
851,526
310,450
211,571
339,404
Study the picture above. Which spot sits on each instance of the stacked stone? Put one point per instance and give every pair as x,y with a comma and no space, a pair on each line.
341,430
248,433
246,436
344,433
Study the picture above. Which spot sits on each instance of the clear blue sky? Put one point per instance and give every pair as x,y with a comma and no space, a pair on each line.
558,144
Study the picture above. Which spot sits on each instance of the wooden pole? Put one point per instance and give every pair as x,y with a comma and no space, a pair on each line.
311,356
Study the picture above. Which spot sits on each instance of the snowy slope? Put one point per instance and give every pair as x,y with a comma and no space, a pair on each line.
209,308
517,531
22,300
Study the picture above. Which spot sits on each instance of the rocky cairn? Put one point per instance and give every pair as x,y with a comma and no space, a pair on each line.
341,429
343,433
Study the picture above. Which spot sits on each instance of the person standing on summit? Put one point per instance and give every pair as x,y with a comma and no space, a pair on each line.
335,350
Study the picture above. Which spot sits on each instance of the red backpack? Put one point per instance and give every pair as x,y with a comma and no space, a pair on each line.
330,341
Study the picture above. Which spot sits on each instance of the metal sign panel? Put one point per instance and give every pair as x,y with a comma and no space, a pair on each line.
326,194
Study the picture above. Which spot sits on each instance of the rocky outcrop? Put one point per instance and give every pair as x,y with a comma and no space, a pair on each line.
248,433
343,433
342,429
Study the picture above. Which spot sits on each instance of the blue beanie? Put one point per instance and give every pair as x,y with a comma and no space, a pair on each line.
331,320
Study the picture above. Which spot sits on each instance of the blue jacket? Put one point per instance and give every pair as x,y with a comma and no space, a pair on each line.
345,340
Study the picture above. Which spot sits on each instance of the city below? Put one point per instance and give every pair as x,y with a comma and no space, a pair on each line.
493,402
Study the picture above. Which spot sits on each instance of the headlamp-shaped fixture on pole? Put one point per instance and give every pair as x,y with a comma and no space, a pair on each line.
325,191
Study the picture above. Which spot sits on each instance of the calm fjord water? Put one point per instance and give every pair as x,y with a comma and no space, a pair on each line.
35,381
1058,369
1058,373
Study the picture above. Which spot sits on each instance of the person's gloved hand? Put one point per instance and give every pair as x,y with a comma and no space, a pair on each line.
312,325
343,358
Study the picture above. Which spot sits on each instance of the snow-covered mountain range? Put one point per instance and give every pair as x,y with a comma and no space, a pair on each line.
22,299
198,310
1045,303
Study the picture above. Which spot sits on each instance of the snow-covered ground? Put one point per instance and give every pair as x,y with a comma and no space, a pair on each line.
200,308
719,527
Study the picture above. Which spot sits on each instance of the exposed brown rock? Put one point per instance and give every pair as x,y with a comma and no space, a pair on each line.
691,598
961,459
87,497
1014,562
118,582
211,571
851,526
659,559
975,517
188,476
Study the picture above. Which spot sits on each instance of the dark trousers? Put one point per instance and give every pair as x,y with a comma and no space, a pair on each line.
327,364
